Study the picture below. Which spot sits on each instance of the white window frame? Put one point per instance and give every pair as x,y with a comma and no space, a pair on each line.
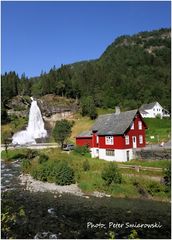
140,125
127,140
109,140
132,126
110,152
141,139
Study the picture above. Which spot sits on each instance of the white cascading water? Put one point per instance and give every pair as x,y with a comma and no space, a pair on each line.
35,128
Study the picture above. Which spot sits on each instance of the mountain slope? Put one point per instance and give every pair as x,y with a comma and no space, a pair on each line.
132,70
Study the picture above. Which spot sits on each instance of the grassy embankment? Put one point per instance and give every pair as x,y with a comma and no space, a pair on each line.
134,184
16,124
160,129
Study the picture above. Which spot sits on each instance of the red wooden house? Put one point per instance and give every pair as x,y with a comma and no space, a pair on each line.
114,136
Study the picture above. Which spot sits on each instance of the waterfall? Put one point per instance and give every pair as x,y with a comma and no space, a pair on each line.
35,128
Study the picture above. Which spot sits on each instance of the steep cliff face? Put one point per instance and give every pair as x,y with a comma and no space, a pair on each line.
52,107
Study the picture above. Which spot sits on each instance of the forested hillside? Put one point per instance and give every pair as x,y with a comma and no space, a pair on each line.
133,70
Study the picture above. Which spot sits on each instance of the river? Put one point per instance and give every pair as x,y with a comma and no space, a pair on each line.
60,216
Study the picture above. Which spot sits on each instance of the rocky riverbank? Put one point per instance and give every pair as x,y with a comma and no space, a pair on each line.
38,186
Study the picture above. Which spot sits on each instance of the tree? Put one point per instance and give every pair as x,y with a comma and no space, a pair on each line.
4,115
88,107
60,86
62,131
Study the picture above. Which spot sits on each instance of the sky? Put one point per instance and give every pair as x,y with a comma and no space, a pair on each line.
35,36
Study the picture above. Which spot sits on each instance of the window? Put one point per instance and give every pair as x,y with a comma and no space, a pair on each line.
109,140
127,140
154,109
140,139
132,126
110,152
97,139
140,125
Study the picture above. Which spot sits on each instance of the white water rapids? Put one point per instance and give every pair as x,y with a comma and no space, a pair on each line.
35,128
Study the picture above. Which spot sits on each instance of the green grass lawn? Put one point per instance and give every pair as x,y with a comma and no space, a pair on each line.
159,128
144,163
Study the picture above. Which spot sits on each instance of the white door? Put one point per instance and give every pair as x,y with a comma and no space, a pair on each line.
134,142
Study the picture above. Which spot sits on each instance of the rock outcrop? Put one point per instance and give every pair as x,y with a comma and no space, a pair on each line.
52,107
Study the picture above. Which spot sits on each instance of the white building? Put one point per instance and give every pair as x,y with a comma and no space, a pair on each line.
152,110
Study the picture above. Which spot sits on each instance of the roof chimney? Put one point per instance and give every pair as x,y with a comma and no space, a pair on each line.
117,110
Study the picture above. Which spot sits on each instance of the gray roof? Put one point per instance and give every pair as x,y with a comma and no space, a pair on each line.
147,106
85,134
110,124
143,111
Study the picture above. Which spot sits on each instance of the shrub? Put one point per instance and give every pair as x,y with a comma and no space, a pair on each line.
133,234
111,174
64,174
158,116
41,172
86,165
26,165
154,188
167,175
59,172
19,156
43,158
31,153
82,150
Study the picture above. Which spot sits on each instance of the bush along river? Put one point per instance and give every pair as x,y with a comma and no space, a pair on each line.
46,215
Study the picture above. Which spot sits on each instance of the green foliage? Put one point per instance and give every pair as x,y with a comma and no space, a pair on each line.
88,107
111,235
25,165
9,85
111,174
40,172
158,116
43,158
11,217
18,156
86,165
62,131
154,188
59,172
64,174
30,154
167,175
133,235
4,115
82,150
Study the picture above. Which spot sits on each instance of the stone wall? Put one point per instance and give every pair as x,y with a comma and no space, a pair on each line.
152,154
